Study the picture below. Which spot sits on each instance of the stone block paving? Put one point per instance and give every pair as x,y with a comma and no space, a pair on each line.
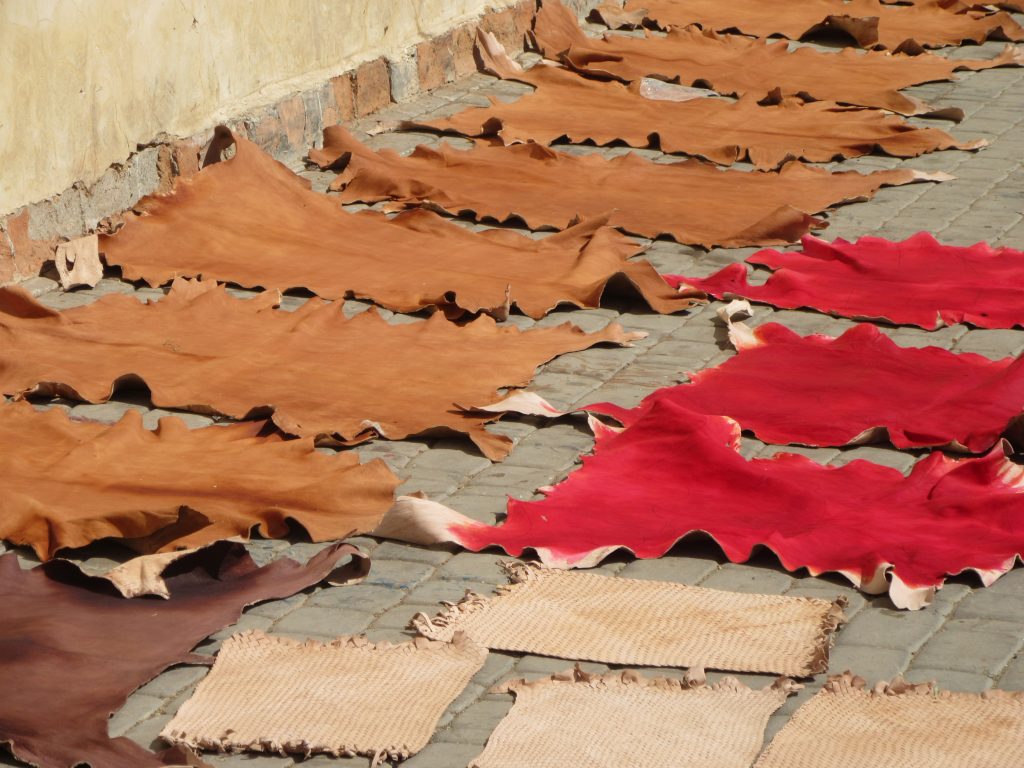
969,639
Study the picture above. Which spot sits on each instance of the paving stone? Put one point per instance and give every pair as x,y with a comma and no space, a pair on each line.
481,568
972,645
873,664
1012,678
105,413
498,666
172,682
146,734
138,707
475,724
680,570
949,680
891,628
363,598
398,574
247,760
322,622
444,755
437,591
736,577
482,506
985,604
393,550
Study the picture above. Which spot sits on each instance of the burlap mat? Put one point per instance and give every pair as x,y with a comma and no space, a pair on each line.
591,617
899,725
622,718
347,697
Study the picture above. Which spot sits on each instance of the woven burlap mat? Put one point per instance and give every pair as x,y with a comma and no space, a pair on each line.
587,616
347,697
622,718
899,725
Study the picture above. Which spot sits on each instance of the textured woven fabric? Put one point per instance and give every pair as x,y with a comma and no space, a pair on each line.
347,697
898,725
627,621
622,718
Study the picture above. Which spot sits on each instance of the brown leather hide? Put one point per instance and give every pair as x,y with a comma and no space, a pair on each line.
72,648
67,483
692,201
583,109
251,221
870,23
736,65
320,374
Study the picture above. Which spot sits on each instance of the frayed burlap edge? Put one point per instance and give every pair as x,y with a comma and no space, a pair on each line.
444,626
459,643
847,683
694,679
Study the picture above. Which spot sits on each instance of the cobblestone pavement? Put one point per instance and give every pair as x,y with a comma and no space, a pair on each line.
968,640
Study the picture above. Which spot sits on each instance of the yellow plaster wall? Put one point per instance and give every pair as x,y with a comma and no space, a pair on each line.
82,82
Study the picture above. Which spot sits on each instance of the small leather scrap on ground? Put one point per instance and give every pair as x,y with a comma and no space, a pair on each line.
566,104
871,389
690,200
900,725
674,472
68,483
347,697
734,65
249,220
868,23
624,718
590,617
318,373
918,281
73,648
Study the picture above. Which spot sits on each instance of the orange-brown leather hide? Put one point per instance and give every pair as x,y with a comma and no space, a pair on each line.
736,65
582,109
67,483
251,221
692,201
72,648
871,23
320,374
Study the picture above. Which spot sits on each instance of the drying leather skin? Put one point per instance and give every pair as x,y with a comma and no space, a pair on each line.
735,65
73,649
67,483
870,23
249,220
674,473
320,374
581,109
918,281
694,202
870,388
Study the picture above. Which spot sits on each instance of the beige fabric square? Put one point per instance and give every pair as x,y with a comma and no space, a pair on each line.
347,697
899,725
622,718
587,616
